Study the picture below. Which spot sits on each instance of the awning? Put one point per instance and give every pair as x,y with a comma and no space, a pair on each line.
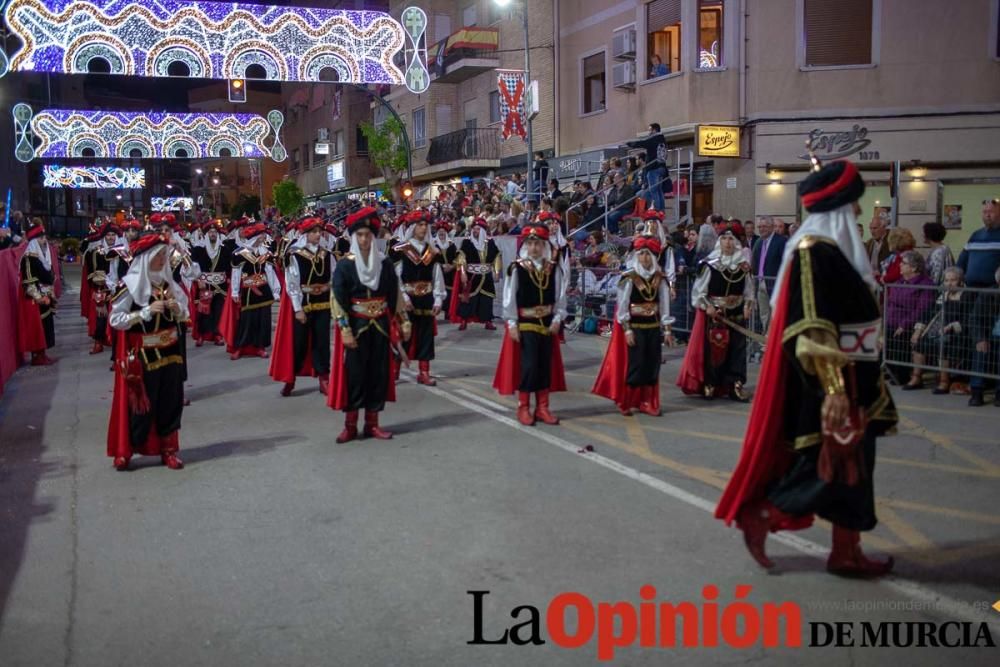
487,39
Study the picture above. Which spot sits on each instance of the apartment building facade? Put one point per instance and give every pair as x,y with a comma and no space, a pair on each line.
454,127
877,81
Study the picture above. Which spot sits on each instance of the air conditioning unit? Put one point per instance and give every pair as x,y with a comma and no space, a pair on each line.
623,44
623,75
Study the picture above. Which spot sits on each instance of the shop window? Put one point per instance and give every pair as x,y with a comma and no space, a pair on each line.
494,106
663,37
710,22
838,33
419,128
594,83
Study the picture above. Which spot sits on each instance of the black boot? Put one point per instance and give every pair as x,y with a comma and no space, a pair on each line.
976,399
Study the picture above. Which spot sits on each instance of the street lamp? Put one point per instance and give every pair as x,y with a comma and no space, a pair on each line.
530,184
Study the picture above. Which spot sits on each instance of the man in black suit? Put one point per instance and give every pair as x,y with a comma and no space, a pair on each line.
765,262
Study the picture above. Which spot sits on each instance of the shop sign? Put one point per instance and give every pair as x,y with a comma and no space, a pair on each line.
832,144
718,141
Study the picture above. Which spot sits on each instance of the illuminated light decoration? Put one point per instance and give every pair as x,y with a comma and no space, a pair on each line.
418,79
111,178
63,133
171,203
709,59
213,39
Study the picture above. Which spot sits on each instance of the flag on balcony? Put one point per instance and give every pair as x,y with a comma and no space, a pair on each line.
487,39
511,86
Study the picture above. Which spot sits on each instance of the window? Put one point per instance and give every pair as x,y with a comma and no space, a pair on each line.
442,27
594,83
710,20
295,159
663,37
469,16
495,106
837,34
419,128
495,13
306,161
442,119
338,148
318,158
361,141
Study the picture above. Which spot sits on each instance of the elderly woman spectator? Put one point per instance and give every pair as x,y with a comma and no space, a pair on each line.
940,257
906,302
901,241
943,329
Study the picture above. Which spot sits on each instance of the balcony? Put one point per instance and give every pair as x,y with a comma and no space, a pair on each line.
465,54
470,144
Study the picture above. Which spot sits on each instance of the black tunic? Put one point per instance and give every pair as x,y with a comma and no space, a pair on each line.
367,312
827,294
256,298
36,279
481,288
212,290
536,300
315,280
725,370
417,275
644,320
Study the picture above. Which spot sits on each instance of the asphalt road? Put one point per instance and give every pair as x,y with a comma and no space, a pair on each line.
276,546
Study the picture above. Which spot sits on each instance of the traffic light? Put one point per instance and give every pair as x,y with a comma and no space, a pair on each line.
237,90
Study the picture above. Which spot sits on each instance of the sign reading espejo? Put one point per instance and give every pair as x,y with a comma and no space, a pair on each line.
718,141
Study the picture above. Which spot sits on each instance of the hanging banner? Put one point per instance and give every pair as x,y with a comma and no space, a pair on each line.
511,86
336,103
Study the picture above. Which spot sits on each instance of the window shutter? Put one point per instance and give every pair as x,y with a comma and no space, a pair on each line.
593,65
661,13
838,33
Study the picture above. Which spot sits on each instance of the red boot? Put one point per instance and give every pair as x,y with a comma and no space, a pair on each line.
220,341
41,359
97,348
198,342
263,354
463,326
524,409
755,522
372,429
647,396
324,383
424,377
171,444
350,431
236,355
286,389
847,560
121,462
542,413
490,326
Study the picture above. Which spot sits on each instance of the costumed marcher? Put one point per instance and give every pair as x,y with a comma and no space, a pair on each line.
810,447
630,374
37,297
419,269
302,339
534,306
254,287
449,252
369,322
715,363
478,266
89,243
102,269
560,253
147,313
212,285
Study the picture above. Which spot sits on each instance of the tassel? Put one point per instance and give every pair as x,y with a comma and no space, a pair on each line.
138,399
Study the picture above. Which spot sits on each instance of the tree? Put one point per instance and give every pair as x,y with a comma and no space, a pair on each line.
387,150
288,197
248,205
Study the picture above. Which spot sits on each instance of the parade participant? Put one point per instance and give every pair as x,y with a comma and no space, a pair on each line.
148,402
419,268
478,266
211,286
302,340
810,444
653,225
254,287
534,307
37,298
368,314
630,374
449,252
88,244
715,363
102,270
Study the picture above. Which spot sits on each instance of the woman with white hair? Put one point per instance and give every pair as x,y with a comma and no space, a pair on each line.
147,314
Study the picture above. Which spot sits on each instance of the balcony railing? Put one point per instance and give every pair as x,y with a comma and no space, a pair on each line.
466,144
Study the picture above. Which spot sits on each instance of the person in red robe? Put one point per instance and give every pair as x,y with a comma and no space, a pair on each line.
147,313
534,306
821,402
37,297
630,374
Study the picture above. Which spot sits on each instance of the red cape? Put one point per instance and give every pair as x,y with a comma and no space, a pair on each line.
610,382
229,323
119,442
85,300
691,378
31,333
193,294
336,393
508,373
765,457
283,352
456,291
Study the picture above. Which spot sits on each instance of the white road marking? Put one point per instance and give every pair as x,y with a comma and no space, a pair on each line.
943,604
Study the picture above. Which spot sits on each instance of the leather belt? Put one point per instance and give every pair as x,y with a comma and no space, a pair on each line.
256,280
479,269
159,339
535,312
316,289
214,278
644,309
726,301
420,288
368,309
